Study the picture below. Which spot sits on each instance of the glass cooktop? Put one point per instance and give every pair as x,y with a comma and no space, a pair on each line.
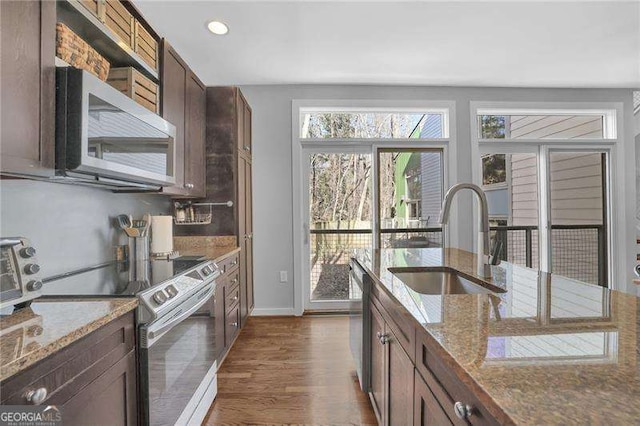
116,278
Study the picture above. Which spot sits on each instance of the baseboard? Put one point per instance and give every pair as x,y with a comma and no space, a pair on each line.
263,312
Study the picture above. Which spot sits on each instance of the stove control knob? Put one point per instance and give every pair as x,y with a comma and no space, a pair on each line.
160,297
27,252
31,269
171,291
34,285
206,270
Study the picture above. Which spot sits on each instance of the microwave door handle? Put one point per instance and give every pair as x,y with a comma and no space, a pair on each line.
154,334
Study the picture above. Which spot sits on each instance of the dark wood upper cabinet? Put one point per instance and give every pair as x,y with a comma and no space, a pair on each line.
195,135
184,106
27,88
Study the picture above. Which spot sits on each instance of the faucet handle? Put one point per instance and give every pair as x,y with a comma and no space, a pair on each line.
494,258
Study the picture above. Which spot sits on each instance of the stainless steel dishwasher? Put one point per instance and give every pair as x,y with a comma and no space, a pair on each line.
359,322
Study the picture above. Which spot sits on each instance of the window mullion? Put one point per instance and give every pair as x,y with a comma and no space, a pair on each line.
544,213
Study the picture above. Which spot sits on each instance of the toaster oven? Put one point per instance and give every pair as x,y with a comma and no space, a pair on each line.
19,273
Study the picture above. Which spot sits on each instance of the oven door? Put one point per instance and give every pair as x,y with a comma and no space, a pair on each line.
178,364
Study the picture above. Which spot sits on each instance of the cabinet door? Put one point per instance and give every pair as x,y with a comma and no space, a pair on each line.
194,164
111,399
174,82
243,236
218,312
400,382
247,144
249,228
27,86
240,105
378,358
426,409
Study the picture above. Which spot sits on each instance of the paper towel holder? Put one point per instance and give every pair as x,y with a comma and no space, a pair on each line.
195,213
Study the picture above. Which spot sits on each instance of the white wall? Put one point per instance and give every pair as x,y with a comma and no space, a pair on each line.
70,226
272,166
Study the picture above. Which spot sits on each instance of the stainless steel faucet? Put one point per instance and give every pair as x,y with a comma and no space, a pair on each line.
484,259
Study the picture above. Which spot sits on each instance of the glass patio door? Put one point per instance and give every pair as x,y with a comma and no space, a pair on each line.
338,221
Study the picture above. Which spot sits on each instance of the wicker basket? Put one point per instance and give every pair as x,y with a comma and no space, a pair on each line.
136,86
76,52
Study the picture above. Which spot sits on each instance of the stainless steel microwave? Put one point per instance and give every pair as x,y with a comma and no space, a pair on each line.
103,136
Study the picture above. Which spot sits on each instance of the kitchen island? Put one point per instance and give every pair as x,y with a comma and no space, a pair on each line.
538,349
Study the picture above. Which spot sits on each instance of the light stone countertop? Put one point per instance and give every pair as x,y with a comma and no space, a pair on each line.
48,325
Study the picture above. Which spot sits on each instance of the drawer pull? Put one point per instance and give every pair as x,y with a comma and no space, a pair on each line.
234,263
235,281
234,324
384,338
235,298
463,411
36,397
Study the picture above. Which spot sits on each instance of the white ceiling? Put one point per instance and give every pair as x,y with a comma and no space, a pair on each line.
473,43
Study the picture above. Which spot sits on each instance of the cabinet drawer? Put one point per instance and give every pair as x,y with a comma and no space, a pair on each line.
232,297
232,325
229,263
66,372
445,386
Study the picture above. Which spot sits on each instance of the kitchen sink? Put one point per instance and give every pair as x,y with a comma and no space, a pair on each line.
441,281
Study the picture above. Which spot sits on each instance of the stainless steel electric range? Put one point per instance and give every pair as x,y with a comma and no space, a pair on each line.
176,330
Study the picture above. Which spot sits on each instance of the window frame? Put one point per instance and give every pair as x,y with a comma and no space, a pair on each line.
612,129
299,146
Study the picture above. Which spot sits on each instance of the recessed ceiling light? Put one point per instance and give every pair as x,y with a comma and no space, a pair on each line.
218,28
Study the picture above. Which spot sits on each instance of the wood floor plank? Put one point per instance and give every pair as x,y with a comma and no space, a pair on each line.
294,370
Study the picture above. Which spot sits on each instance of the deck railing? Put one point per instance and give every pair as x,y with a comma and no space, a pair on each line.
578,251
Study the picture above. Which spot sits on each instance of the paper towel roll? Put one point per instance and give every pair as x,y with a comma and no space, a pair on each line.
161,234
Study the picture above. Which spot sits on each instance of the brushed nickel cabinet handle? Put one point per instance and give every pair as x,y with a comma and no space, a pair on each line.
37,396
188,185
234,324
463,411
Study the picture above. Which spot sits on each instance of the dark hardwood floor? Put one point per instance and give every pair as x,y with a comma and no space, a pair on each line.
291,370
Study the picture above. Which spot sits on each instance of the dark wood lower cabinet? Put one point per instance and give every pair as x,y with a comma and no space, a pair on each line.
378,366
403,392
400,382
109,400
93,381
227,304
426,409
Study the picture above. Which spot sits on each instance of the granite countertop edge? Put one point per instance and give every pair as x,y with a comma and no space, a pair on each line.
11,369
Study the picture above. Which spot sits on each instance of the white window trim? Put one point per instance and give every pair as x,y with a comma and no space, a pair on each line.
300,146
614,138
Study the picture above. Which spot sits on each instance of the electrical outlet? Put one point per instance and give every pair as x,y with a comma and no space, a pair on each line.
283,277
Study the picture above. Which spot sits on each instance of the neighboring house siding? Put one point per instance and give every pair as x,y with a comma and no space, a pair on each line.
431,167
576,192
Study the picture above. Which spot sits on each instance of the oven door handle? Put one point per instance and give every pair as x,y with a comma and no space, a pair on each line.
154,331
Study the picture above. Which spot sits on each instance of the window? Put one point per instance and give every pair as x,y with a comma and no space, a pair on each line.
410,197
569,125
372,125
494,169
553,175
